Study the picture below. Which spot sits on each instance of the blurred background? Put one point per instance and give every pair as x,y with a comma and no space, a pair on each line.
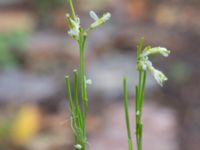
36,53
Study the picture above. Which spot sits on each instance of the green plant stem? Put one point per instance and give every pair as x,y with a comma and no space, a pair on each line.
139,48
71,107
72,9
84,98
77,118
142,89
82,73
139,90
139,102
130,144
79,110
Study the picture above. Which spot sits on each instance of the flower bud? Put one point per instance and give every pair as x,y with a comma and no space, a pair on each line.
98,21
156,50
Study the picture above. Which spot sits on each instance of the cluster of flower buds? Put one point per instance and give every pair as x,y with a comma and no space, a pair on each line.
145,64
75,28
98,21
74,25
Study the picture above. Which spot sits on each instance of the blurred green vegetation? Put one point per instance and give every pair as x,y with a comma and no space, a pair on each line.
5,128
44,8
11,44
47,5
181,71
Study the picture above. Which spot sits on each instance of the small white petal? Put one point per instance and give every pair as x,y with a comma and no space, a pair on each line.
145,63
145,53
75,28
78,21
89,81
72,32
93,15
159,76
164,51
106,17
78,146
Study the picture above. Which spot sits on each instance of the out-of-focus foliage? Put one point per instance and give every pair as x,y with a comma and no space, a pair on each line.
181,71
44,9
5,127
44,6
10,44
49,4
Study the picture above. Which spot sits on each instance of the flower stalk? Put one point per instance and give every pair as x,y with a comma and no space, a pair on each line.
143,65
126,111
140,87
79,108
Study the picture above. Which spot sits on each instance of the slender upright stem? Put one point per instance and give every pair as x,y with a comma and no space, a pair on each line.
78,115
84,98
82,73
126,110
72,108
140,87
82,78
77,108
139,102
143,65
72,9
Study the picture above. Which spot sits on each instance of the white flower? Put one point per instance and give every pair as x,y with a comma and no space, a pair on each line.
78,146
89,81
164,51
74,25
73,33
158,75
144,63
98,21
156,50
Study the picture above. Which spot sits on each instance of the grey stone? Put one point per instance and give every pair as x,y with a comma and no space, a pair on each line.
22,86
